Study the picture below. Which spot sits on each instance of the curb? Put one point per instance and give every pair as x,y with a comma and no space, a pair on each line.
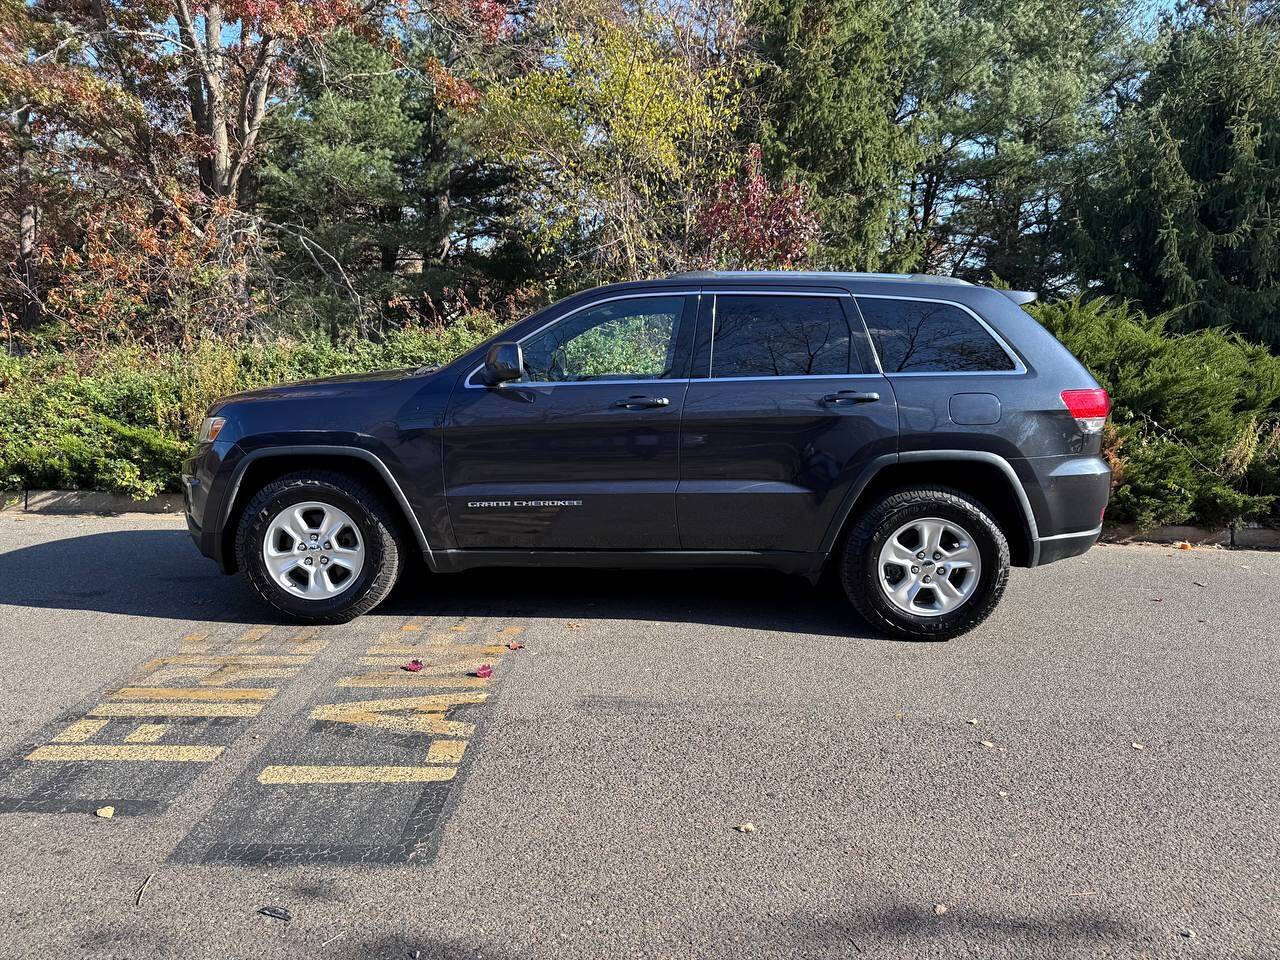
71,502
1245,537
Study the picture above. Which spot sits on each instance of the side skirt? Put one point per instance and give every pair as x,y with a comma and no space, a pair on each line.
805,564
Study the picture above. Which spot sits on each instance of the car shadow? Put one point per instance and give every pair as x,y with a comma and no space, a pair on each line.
158,573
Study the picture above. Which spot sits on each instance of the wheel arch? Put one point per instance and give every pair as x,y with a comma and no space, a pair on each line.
259,467
976,473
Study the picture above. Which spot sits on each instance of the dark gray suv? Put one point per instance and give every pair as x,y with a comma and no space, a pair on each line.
920,434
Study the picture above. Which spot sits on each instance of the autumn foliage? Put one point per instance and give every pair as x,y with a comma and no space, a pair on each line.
752,225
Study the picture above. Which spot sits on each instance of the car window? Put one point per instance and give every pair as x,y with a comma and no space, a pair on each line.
783,336
917,336
630,339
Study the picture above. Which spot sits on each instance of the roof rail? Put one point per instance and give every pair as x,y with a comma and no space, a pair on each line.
852,275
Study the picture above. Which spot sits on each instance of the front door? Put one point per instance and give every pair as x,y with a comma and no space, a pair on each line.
785,409
582,452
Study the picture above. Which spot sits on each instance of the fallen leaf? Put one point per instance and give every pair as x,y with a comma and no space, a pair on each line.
939,909
413,666
973,722
106,813
1189,934
276,913
1139,746
483,671
1199,584
746,828
574,625
1182,545
988,744
514,645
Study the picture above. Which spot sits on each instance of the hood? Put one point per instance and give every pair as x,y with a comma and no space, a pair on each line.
346,384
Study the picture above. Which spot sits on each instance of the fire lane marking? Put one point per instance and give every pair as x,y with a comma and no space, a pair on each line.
170,753
175,710
80,731
147,733
194,693
336,774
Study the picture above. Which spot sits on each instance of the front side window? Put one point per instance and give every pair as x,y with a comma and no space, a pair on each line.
783,336
632,339
917,336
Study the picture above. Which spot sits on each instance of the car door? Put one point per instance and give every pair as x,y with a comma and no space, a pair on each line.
785,409
582,452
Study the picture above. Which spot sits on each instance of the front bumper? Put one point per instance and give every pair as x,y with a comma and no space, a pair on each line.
202,479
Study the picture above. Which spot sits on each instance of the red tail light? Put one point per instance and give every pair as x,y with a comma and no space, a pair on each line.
1089,407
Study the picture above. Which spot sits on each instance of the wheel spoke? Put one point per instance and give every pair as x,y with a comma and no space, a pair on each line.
930,535
948,594
899,554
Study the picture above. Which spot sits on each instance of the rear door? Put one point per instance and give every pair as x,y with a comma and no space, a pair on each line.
785,409
582,452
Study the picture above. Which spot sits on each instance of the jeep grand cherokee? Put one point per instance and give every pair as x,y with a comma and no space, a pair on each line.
921,434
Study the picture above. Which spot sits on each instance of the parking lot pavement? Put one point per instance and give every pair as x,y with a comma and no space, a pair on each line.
1092,772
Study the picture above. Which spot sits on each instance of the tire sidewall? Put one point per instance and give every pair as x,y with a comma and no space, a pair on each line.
268,505
986,537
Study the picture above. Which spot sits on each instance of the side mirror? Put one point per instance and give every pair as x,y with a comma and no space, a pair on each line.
504,362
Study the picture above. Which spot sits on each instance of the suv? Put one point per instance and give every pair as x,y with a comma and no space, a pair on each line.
917,434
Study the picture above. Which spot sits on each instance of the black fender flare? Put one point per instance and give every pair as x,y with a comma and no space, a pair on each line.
921,456
325,450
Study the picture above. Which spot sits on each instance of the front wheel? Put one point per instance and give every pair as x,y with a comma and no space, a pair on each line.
925,564
319,547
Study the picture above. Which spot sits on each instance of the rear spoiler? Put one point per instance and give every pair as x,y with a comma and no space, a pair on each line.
1020,297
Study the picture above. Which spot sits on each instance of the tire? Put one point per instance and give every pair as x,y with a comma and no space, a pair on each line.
371,531
869,560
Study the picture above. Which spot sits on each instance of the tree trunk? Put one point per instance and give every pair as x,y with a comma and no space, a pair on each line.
27,220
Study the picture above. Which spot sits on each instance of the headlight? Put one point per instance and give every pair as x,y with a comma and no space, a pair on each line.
210,429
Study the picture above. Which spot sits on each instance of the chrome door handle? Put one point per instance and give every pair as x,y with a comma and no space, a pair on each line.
851,396
640,403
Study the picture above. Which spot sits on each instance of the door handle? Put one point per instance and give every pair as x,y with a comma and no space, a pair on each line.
640,403
851,396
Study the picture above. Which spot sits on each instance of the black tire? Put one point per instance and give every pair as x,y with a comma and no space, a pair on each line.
383,543
859,562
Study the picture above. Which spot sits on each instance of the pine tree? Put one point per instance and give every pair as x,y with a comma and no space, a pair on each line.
1183,212
827,87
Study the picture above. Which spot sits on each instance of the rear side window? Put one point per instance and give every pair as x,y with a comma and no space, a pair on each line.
784,336
916,336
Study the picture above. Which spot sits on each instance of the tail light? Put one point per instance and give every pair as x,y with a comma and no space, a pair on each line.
1089,407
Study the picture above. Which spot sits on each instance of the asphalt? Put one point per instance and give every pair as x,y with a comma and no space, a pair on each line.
1092,773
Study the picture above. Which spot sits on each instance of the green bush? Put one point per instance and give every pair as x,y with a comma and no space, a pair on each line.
120,421
1195,423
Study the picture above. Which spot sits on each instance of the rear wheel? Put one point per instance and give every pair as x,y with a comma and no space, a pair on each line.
319,547
925,564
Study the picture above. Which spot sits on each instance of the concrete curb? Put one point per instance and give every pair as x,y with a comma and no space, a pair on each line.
86,502
1246,537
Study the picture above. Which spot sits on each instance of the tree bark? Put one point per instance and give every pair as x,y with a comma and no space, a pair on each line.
28,218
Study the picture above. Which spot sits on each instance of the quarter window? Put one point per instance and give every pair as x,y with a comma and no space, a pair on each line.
764,336
631,339
916,336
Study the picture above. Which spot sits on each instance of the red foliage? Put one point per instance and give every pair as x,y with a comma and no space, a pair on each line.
450,90
750,225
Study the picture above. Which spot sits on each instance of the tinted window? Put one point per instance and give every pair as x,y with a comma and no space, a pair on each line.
762,336
630,339
913,336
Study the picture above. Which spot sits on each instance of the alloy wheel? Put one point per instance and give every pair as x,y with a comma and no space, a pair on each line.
929,567
313,550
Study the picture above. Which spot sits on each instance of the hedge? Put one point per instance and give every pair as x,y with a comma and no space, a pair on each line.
1194,435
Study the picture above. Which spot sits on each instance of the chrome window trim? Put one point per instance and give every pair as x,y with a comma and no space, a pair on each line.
1019,368
766,292
565,316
